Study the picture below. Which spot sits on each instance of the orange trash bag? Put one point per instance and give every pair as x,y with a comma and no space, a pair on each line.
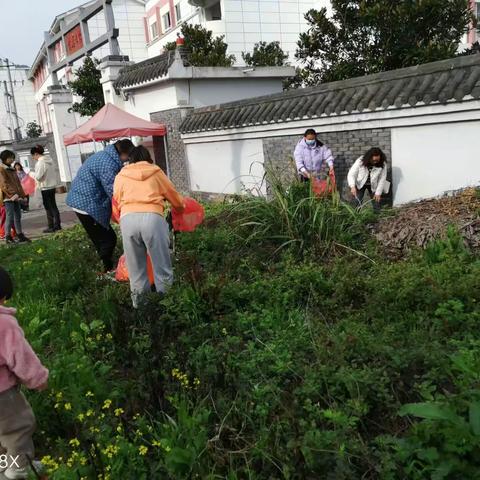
28,185
121,275
190,218
115,211
321,188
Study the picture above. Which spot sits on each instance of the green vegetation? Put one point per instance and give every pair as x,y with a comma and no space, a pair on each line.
282,356
361,37
265,55
204,49
87,86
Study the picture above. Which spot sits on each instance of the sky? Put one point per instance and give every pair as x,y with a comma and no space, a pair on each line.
23,24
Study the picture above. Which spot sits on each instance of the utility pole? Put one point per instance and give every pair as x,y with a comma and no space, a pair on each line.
7,106
13,106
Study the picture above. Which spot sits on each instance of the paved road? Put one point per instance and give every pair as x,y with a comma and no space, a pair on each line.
35,221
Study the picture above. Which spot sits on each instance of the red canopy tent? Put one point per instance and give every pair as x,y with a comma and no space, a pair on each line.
112,122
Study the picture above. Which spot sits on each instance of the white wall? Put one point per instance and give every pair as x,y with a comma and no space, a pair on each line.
432,159
151,99
24,98
226,167
213,92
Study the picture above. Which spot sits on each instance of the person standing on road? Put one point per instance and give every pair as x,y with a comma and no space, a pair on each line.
91,196
22,174
369,174
12,193
140,191
311,155
46,178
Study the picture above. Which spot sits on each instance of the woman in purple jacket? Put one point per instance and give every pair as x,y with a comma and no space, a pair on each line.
311,155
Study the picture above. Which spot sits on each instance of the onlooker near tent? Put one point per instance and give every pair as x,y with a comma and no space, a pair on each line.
46,177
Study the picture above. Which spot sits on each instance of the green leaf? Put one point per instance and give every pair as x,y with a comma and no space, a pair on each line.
474,417
429,411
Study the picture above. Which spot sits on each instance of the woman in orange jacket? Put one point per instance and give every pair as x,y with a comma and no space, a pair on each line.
140,190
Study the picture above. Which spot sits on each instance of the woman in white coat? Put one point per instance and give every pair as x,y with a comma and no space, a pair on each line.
369,174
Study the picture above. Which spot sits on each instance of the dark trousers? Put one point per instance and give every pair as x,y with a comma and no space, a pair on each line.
361,194
50,205
104,239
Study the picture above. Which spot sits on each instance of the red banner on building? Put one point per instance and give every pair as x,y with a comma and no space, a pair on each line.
74,40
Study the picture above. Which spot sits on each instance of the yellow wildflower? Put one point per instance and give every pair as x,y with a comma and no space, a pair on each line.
74,442
89,394
143,450
119,411
81,417
107,404
68,406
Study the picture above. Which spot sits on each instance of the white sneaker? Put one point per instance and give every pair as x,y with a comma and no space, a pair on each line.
21,473
16,473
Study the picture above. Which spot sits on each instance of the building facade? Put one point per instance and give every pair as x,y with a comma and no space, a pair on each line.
243,22
24,99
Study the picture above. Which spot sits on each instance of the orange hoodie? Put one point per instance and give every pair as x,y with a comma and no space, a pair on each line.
143,188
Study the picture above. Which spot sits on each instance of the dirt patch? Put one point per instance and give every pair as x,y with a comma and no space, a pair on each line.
417,224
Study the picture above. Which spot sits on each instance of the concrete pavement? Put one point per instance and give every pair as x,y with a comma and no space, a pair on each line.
35,221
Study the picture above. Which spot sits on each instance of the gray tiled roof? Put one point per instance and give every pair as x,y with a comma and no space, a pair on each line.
150,69
447,80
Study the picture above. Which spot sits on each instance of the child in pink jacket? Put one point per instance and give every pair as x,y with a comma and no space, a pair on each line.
18,365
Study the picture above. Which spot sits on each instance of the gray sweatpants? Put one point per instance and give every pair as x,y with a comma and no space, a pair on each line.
17,424
144,233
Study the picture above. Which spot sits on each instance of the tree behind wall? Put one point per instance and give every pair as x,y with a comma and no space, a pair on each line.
265,55
368,36
87,86
33,130
205,50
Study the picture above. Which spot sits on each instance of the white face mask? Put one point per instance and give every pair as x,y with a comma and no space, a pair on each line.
311,143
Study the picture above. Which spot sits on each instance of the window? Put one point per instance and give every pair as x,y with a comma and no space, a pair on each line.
154,30
214,12
167,22
178,12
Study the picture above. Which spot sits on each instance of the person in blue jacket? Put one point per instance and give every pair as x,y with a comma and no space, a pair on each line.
91,193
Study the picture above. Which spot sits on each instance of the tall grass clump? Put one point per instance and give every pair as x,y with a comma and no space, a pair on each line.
291,214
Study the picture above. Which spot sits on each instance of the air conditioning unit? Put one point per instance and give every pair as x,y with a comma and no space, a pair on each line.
203,3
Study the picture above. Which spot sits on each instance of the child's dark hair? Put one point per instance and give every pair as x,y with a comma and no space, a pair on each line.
37,149
374,152
6,154
140,154
6,285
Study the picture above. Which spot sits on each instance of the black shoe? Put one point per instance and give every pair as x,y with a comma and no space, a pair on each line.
49,230
57,229
9,240
23,239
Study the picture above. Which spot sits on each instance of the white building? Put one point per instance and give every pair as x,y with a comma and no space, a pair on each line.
24,100
243,22
128,17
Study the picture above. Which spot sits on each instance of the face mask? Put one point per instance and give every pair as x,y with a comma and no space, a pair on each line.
311,143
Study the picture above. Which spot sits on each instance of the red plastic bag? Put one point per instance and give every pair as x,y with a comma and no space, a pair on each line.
115,211
321,188
3,217
121,275
28,185
190,218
